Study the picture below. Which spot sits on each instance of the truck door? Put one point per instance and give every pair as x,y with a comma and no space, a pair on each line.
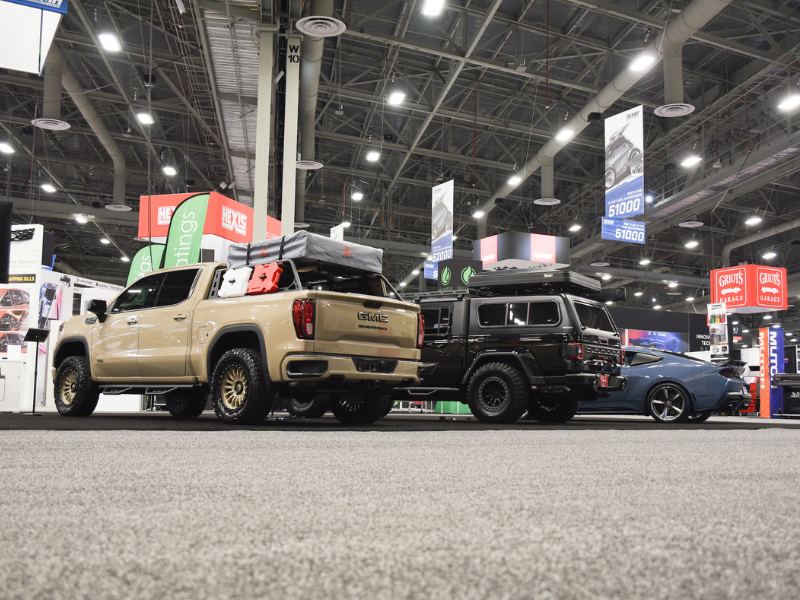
115,340
164,327
441,346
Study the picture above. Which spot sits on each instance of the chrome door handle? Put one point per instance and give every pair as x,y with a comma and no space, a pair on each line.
179,317
132,320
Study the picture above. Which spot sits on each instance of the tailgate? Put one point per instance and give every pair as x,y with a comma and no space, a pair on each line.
360,325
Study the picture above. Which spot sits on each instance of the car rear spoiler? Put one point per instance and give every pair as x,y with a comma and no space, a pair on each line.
737,365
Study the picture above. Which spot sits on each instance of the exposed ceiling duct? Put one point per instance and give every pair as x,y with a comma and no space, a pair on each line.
677,32
51,100
81,99
673,106
725,258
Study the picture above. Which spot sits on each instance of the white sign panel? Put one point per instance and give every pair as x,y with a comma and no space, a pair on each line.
337,233
442,222
624,176
718,328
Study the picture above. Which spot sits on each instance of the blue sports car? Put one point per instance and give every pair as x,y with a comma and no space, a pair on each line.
673,388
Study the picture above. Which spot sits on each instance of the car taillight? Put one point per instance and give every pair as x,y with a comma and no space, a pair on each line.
420,330
729,373
303,316
622,357
575,350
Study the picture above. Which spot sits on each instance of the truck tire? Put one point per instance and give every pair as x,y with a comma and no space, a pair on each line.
553,413
186,404
311,407
359,408
389,405
498,393
75,394
238,389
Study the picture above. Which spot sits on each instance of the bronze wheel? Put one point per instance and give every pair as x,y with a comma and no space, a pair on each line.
239,387
233,387
69,387
74,391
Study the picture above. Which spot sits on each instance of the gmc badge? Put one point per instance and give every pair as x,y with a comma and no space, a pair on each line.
378,317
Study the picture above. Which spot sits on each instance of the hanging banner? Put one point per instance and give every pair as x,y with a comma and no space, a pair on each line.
718,328
146,260
624,175
186,232
59,6
27,31
750,288
431,270
442,222
522,251
623,230
770,362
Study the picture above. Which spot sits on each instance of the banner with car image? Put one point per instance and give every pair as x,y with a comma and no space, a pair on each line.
442,222
624,174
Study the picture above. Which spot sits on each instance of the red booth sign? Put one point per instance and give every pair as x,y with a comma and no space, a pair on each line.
750,288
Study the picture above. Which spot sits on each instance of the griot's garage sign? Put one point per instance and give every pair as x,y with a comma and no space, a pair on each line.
750,288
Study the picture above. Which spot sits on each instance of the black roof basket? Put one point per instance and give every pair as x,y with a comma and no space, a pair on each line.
516,281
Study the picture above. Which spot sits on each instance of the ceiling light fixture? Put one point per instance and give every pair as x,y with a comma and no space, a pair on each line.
109,42
657,307
455,237
776,326
642,63
6,148
644,262
170,171
575,227
145,118
754,220
769,255
767,317
691,244
790,102
346,224
396,98
373,155
478,214
638,293
565,135
514,180
415,272
690,161
125,259
690,298
672,284
433,8
356,195
606,277
403,284
745,331
48,187
105,241
81,219
648,198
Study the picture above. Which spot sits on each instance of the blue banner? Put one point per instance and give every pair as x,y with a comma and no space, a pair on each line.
431,270
59,6
627,200
774,363
442,249
622,230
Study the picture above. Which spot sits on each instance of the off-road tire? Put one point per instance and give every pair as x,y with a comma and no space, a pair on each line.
312,407
668,403
237,387
359,408
553,413
75,393
498,393
390,402
186,404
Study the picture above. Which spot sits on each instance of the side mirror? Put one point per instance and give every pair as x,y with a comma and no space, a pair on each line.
99,308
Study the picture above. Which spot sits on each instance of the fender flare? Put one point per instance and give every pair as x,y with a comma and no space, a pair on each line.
71,339
240,329
517,357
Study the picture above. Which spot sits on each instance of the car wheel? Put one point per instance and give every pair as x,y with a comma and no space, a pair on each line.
611,177
309,407
497,393
76,394
186,404
699,417
553,412
238,388
668,403
359,408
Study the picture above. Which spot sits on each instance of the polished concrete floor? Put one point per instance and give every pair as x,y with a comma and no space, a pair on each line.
142,506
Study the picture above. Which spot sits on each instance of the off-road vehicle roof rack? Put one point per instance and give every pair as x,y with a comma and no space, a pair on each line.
415,297
532,281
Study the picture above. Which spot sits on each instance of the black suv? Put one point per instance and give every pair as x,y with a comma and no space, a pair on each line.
519,341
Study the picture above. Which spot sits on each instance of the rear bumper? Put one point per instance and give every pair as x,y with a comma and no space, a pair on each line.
733,401
343,370
587,381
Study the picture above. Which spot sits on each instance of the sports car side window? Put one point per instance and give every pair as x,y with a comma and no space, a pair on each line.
642,358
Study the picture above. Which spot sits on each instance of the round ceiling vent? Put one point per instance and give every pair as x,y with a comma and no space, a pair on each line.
118,207
51,124
600,264
691,224
321,26
299,225
674,293
308,165
674,110
547,201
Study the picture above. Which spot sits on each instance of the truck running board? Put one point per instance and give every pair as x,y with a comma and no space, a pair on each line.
116,390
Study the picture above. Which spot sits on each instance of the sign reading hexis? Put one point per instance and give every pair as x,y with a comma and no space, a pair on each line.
750,288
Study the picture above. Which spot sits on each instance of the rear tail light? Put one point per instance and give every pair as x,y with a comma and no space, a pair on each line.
303,317
729,373
575,350
420,330
622,357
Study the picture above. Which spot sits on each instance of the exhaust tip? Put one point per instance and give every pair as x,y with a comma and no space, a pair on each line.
51,124
674,110
547,201
321,26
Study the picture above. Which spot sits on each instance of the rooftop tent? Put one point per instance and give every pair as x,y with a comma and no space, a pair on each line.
27,30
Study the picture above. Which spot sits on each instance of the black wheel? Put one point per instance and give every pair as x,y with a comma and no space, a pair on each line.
186,404
308,406
668,403
388,406
611,177
552,411
238,389
76,394
498,393
698,417
359,408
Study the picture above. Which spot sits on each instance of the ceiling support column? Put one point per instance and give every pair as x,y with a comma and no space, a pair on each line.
263,133
290,134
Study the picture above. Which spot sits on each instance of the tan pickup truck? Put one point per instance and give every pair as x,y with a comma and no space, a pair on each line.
327,335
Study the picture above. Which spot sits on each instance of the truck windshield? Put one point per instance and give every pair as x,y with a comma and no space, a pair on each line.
594,316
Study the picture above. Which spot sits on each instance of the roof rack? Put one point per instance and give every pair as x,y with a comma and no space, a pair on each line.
416,297
522,281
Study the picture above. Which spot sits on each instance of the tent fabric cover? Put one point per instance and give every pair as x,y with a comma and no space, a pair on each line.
307,246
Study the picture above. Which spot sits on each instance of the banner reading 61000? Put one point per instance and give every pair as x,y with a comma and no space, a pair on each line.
624,176
442,222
